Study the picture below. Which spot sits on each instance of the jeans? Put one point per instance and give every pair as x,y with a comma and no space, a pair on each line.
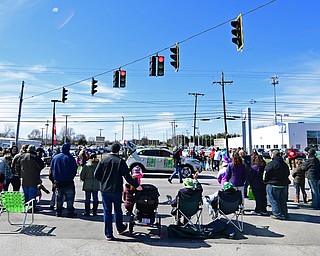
109,198
314,186
278,200
69,193
30,192
88,196
177,170
299,186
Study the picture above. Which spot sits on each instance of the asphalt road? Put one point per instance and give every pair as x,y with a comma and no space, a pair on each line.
262,235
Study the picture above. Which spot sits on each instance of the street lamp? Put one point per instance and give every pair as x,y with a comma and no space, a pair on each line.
282,127
274,82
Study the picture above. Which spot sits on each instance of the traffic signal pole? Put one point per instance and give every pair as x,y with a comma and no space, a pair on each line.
222,83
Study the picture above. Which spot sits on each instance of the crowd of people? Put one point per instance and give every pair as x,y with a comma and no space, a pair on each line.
268,181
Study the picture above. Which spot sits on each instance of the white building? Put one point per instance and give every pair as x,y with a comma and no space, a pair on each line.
284,135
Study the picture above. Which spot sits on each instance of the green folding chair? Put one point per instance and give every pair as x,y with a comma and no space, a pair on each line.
14,202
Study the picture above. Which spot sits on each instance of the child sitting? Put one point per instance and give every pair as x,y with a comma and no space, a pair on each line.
128,197
137,172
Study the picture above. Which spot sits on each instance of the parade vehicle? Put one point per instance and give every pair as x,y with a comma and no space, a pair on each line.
161,160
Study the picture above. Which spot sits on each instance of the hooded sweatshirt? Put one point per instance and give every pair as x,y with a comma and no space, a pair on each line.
64,168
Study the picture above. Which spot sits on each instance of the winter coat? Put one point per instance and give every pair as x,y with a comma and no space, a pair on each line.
256,177
291,154
90,183
222,174
30,165
236,175
64,168
277,172
312,168
110,172
298,175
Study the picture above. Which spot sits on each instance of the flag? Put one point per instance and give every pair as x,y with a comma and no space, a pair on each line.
54,133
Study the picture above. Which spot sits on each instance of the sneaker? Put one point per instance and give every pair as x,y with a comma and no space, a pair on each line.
276,217
169,180
111,238
121,232
253,213
58,214
264,213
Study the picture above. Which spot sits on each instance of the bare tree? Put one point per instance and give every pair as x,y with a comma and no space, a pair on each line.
8,131
35,135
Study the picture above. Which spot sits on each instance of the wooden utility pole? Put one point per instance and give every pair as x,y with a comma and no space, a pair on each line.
222,83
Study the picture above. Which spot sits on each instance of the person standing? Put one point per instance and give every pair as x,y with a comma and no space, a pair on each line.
276,177
257,184
176,164
110,172
299,182
246,159
16,168
236,174
90,184
217,158
30,165
5,169
292,155
312,172
64,168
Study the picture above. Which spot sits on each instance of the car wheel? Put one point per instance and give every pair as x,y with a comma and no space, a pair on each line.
187,171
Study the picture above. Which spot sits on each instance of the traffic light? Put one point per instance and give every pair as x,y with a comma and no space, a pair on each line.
123,74
93,86
237,32
116,79
175,57
160,70
153,66
64,94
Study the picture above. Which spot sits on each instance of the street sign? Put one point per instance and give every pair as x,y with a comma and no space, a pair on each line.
100,141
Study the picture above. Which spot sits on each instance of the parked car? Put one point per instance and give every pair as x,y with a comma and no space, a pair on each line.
160,160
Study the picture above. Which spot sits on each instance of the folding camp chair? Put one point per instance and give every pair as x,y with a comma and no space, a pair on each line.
190,207
14,202
230,204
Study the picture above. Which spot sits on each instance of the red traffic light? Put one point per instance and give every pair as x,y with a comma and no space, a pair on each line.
122,72
160,58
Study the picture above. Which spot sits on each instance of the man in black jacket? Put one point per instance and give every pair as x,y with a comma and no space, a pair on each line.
312,172
276,178
110,172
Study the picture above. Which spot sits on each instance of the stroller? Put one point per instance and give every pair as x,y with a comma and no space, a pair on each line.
146,209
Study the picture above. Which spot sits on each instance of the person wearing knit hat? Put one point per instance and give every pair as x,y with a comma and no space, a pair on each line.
312,172
30,166
110,173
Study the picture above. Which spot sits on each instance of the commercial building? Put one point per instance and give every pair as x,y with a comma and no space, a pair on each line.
283,135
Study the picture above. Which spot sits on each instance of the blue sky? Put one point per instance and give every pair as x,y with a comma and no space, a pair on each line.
51,44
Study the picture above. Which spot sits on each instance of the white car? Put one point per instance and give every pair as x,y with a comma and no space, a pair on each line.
160,160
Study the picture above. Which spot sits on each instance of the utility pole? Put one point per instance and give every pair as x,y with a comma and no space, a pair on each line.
222,83
195,118
122,134
42,134
274,82
53,139
66,132
19,115
47,125
173,126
